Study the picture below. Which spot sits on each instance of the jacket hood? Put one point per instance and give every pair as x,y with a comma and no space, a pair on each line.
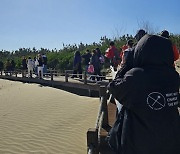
153,50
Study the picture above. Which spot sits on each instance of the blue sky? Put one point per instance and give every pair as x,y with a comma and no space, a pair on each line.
50,23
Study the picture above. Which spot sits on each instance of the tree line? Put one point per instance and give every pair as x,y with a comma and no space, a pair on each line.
62,59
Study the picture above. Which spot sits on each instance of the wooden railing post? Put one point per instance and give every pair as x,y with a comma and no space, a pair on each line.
85,77
16,73
22,73
66,76
92,141
51,76
103,99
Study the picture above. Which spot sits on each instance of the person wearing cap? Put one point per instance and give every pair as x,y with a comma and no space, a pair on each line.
165,34
128,64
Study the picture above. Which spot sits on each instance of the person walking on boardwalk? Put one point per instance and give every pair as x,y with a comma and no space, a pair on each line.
7,67
24,66
113,55
36,63
77,65
13,65
40,66
1,65
149,93
30,66
86,57
96,64
44,57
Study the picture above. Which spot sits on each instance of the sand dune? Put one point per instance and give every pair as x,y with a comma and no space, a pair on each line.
43,120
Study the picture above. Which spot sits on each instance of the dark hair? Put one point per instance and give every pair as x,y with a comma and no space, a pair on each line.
165,34
111,43
130,43
94,51
77,53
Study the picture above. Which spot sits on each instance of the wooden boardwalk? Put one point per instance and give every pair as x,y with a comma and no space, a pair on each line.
77,86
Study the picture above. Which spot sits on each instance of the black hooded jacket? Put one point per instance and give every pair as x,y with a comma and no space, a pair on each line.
149,93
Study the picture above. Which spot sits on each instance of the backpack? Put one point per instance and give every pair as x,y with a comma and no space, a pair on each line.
90,69
101,58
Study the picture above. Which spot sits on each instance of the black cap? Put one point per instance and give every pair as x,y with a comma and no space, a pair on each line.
165,34
140,33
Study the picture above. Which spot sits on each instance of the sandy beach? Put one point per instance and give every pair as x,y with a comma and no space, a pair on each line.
41,120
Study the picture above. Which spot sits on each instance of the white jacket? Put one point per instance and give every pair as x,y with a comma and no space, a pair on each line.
30,63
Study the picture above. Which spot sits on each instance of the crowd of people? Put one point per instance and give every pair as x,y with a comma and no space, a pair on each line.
93,62
36,65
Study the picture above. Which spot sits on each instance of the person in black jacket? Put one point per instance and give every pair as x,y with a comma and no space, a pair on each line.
96,63
1,65
24,66
87,57
44,58
129,59
77,68
149,93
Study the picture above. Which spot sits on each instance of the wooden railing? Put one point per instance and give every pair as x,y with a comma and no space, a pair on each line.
51,74
102,121
84,76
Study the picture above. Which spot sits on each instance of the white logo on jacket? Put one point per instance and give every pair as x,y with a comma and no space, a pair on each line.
156,101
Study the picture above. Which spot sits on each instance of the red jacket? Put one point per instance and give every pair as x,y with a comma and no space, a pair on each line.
176,53
110,52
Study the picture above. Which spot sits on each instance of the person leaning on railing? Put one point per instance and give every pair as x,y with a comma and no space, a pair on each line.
149,93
